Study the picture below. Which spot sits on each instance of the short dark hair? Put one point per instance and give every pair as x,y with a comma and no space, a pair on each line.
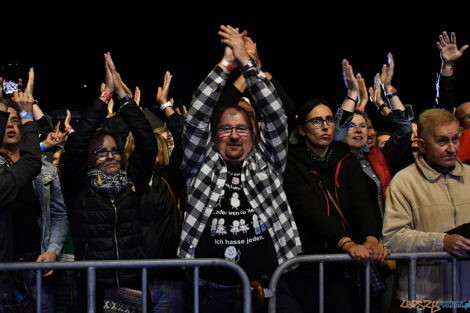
217,114
100,133
308,106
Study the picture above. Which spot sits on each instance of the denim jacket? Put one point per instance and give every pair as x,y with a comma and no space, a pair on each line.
53,222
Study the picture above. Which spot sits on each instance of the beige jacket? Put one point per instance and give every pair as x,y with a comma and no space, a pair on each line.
421,205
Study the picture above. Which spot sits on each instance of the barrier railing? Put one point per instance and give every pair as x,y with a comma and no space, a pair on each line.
343,258
91,267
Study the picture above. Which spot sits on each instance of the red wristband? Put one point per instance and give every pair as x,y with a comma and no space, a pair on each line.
229,66
359,108
106,95
447,67
393,90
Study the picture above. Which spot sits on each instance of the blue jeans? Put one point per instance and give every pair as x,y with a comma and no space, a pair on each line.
168,296
47,290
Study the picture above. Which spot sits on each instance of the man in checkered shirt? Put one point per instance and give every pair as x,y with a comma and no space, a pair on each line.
237,208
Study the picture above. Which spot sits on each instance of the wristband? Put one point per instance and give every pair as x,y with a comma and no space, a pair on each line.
166,105
43,146
248,66
229,66
392,94
352,99
68,127
382,106
106,95
24,114
124,99
359,108
447,67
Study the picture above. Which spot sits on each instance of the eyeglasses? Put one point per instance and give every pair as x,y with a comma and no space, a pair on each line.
227,130
318,121
15,120
354,125
102,154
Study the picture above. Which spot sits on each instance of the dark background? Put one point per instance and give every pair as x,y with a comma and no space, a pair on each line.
302,45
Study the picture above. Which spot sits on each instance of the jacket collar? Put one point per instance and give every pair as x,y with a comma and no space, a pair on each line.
432,175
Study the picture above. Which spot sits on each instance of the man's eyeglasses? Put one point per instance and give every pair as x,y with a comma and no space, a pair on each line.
15,120
354,125
318,121
102,154
227,130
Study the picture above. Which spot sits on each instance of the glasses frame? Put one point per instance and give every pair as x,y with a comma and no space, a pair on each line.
115,153
224,130
331,123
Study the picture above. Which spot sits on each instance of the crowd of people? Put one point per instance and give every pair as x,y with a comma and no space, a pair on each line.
244,175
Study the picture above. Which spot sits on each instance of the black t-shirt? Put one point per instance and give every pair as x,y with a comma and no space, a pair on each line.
235,233
26,231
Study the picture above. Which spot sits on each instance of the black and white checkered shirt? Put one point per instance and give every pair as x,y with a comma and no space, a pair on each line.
262,172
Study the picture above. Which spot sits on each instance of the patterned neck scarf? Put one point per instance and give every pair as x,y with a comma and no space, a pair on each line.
110,184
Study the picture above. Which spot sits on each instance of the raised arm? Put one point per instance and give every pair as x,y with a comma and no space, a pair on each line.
273,133
450,54
141,162
75,157
197,133
401,136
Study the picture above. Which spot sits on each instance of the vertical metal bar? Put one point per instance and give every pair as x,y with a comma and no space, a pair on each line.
38,290
412,278
247,298
196,289
91,289
321,287
454,282
367,287
144,290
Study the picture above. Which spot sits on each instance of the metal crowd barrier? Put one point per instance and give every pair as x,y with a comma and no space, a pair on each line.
91,267
327,258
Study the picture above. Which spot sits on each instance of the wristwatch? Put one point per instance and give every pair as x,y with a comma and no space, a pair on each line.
248,66
166,105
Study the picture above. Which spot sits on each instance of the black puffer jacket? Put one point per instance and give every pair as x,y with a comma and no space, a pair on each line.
104,228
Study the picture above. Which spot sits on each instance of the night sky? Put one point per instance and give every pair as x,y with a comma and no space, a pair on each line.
301,46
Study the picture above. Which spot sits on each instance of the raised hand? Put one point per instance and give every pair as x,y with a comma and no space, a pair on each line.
387,73
30,85
233,38
137,95
348,76
448,49
252,50
363,95
68,119
24,100
108,76
162,92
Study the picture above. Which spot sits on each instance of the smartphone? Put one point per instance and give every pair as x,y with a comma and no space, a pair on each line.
10,74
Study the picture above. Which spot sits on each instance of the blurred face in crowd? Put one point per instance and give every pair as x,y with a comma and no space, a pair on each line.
106,155
12,132
357,133
56,158
234,137
381,140
319,128
441,146
414,136
371,138
463,114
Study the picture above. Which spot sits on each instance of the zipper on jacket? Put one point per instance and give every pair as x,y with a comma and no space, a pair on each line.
116,240
452,199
